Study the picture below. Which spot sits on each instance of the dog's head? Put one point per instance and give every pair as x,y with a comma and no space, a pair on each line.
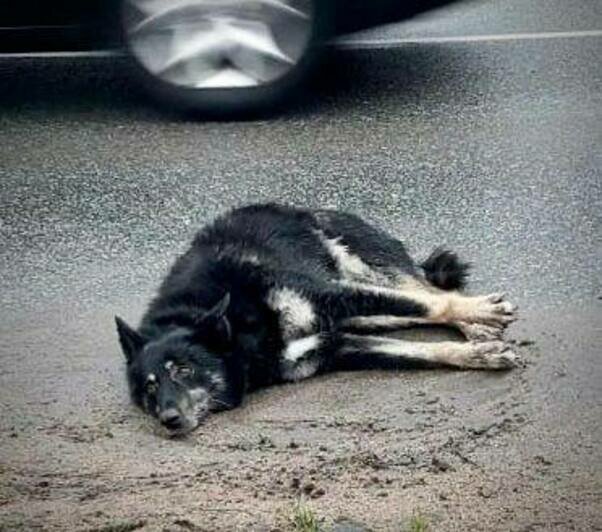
180,376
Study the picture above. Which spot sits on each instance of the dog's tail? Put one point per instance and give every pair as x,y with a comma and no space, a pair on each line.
445,270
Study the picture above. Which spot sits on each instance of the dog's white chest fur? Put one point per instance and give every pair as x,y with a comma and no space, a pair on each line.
297,316
298,323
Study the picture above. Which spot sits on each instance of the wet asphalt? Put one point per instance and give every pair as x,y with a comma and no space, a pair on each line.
490,148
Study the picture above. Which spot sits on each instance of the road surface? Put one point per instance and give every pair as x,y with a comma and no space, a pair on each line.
477,127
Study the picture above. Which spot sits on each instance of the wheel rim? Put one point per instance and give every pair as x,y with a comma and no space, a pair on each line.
218,44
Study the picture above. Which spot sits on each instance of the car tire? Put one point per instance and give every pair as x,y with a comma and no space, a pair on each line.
223,58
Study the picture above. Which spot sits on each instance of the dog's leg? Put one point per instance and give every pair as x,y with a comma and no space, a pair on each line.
340,300
336,300
459,310
379,324
364,352
376,324
452,308
478,318
304,357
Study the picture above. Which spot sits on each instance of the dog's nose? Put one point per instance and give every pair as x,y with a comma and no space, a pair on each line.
171,418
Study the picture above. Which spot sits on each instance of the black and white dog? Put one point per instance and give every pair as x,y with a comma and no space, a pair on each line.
270,294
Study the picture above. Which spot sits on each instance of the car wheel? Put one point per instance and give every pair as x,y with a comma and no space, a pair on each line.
223,57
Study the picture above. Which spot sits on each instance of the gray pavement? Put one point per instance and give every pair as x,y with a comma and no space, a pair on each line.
483,17
490,148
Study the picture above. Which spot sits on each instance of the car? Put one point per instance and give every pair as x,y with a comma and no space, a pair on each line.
219,57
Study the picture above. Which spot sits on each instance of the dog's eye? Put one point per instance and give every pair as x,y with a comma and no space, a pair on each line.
183,372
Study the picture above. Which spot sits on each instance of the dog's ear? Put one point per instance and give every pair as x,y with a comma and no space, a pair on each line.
219,310
213,325
130,340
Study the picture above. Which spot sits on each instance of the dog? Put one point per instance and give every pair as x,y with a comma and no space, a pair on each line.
269,294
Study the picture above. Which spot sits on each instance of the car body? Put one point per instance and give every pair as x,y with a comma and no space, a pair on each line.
240,65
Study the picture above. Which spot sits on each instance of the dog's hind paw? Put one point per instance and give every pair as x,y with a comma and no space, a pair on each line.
491,355
479,332
492,310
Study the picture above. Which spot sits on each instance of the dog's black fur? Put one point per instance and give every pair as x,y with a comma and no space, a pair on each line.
260,298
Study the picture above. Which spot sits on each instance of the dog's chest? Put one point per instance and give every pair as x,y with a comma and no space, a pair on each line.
296,314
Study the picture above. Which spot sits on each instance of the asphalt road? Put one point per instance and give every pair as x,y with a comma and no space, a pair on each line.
490,147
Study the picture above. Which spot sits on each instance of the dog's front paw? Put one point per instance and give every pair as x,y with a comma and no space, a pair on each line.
491,355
